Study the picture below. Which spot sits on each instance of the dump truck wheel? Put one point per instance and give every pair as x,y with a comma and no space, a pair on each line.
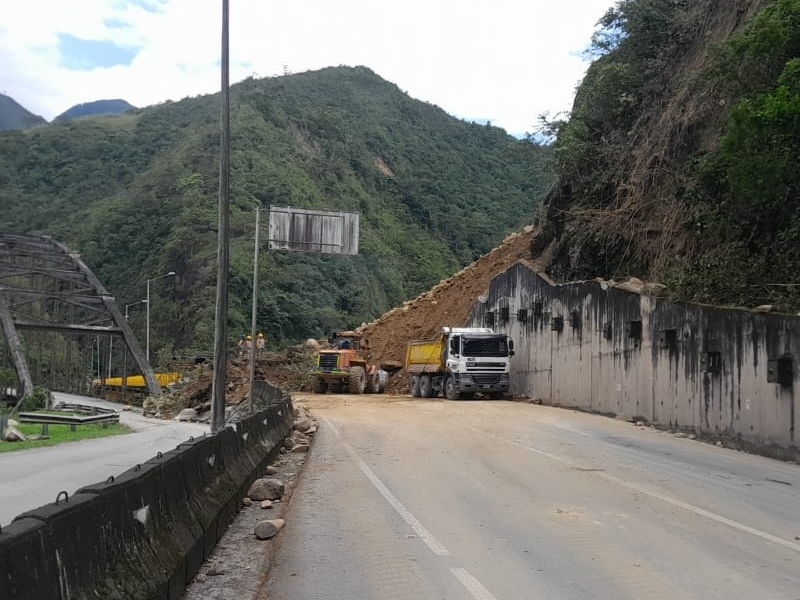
426,387
357,380
372,384
450,389
320,386
415,386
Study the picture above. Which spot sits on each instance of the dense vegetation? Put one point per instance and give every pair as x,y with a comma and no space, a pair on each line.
680,160
137,195
14,116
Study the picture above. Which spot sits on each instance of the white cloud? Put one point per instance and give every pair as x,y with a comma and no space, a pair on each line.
503,60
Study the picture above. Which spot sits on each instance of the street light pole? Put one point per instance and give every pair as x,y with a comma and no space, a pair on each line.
147,326
125,355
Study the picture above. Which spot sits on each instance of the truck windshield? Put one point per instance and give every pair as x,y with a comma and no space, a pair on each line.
485,347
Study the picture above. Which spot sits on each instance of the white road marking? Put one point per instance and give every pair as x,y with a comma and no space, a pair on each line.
473,586
435,545
674,501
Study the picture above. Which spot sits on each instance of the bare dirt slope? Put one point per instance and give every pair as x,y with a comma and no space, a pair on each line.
448,304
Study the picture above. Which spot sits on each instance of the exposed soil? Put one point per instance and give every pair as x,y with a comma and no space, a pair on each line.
448,304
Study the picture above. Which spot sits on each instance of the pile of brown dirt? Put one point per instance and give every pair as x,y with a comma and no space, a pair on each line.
287,369
448,304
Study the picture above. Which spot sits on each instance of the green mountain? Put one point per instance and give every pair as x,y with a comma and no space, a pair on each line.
680,162
137,195
14,116
98,107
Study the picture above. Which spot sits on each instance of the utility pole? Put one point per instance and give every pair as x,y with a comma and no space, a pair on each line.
254,341
221,315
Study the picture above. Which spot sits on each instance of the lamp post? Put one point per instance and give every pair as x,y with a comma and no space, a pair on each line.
125,355
147,326
127,306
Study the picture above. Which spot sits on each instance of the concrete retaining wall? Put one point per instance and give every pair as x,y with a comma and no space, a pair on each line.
728,374
143,534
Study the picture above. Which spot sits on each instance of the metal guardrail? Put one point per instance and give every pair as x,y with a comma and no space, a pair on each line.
84,408
52,419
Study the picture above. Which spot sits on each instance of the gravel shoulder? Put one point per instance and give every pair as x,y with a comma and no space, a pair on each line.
240,564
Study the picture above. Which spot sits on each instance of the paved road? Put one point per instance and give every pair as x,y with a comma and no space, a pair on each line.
31,478
507,501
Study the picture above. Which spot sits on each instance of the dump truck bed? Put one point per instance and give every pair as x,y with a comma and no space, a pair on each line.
425,356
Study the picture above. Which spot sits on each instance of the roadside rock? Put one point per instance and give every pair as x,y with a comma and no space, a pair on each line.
303,424
12,434
266,489
187,414
268,528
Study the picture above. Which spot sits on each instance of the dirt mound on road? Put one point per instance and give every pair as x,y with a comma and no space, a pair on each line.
448,304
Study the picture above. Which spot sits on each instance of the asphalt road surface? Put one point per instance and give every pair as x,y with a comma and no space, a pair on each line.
32,478
485,500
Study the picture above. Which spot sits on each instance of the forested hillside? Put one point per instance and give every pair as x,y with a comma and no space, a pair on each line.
681,160
136,194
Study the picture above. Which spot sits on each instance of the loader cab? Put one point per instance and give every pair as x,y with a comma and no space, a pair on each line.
346,340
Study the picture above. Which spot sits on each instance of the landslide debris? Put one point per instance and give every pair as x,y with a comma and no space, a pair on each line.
449,303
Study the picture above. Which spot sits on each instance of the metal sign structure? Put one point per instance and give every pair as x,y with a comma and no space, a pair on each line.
322,231
302,230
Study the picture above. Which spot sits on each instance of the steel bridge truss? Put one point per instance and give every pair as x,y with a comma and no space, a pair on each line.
54,311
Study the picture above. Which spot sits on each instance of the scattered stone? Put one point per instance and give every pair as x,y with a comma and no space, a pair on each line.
301,448
187,414
719,443
266,489
303,424
214,571
764,308
266,504
12,434
271,470
640,423
268,528
246,501
681,434
12,423
299,437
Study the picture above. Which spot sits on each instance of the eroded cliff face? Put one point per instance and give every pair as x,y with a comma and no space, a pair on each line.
644,115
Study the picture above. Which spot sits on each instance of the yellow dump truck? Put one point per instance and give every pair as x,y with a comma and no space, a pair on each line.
459,363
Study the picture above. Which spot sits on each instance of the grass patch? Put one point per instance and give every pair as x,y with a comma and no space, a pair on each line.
60,434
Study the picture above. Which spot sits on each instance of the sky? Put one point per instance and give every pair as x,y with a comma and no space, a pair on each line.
501,61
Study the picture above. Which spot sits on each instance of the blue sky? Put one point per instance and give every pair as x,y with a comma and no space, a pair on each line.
504,61
88,55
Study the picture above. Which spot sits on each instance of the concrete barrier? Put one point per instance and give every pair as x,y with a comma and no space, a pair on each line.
145,533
